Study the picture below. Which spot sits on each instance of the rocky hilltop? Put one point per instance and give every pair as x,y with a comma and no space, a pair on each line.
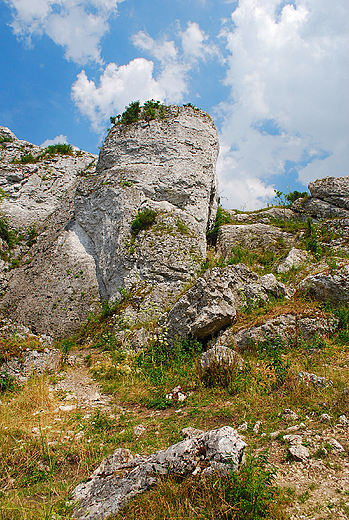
216,328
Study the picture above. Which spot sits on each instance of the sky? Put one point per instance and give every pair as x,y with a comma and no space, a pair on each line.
273,74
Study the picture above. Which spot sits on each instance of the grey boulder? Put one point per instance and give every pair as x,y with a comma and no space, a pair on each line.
120,476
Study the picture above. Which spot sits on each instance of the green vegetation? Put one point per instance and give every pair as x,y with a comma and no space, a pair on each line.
182,227
47,153
287,199
58,149
6,382
222,217
32,235
248,495
136,112
5,139
144,220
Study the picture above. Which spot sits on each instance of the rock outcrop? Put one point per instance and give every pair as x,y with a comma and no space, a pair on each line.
329,199
211,304
86,249
120,476
251,237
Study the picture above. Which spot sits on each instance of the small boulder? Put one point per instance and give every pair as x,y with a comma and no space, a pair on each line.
220,355
295,258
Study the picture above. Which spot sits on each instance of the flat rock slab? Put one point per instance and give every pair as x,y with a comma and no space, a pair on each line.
120,476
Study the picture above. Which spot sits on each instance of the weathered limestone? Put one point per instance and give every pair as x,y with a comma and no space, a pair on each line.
120,476
251,237
212,302
86,250
295,258
167,166
222,356
287,327
334,287
329,199
32,362
35,190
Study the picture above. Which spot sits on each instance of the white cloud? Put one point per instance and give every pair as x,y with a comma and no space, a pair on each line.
58,139
287,64
137,79
120,85
194,43
76,25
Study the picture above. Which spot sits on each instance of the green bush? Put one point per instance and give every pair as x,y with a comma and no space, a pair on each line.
9,235
252,490
144,220
136,112
28,159
58,149
31,235
311,239
5,139
222,217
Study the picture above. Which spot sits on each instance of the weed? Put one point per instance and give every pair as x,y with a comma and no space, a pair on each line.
101,422
144,220
3,195
135,112
58,149
127,184
182,227
272,351
5,139
32,234
6,381
66,345
311,239
222,217
26,159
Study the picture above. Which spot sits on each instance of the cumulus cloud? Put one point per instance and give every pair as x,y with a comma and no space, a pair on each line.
118,85
58,139
288,75
76,25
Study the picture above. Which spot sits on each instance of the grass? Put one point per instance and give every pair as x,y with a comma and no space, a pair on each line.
144,220
47,153
247,495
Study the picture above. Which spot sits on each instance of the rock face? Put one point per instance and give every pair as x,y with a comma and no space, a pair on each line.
329,199
166,166
251,237
86,250
120,476
322,286
32,362
35,190
212,302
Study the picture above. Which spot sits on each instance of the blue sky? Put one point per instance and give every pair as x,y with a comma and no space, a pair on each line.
273,74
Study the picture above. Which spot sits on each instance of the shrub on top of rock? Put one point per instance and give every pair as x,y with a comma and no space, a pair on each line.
144,220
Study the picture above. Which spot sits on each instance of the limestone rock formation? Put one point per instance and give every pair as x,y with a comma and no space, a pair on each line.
251,237
287,327
120,476
294,259
86,249
212,302
329,199
167,166
323,286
